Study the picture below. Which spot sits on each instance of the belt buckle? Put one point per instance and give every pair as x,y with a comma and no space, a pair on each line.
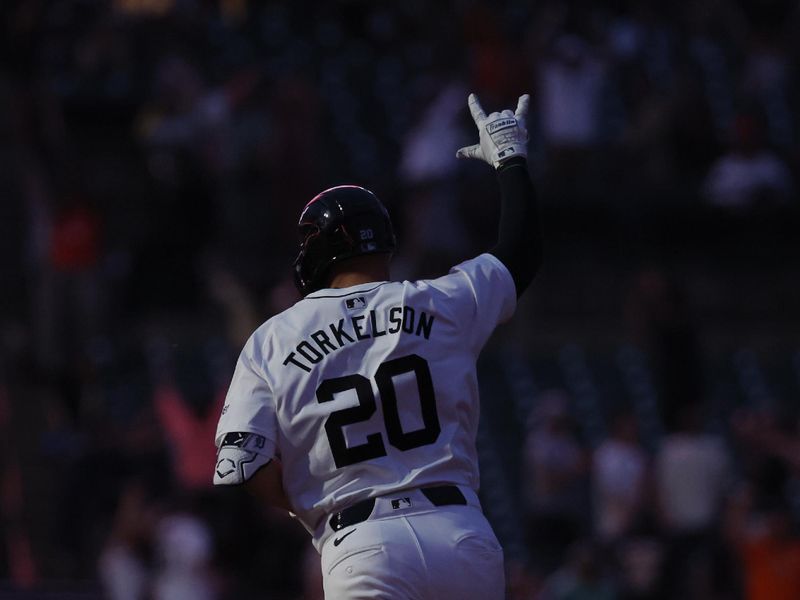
360,511
336,521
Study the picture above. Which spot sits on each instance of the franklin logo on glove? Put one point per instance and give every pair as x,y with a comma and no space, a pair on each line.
501,124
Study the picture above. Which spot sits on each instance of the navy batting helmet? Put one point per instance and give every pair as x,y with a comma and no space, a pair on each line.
339,223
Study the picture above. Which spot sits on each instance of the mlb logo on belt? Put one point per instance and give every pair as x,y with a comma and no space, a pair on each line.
401,503
355,303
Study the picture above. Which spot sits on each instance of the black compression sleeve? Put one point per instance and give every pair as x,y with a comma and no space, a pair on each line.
519,242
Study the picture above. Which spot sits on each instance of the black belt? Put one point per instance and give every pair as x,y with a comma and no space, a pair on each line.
444,495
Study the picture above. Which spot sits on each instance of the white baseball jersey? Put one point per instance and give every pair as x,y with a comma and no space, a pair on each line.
367,390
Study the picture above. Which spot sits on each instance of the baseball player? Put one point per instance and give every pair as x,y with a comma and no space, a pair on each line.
357,408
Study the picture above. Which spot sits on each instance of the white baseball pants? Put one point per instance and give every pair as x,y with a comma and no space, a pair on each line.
422,553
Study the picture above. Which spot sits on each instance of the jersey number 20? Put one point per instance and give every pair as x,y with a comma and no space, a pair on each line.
384,378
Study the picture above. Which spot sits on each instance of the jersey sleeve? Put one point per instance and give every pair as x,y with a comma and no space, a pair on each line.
247,430
484,293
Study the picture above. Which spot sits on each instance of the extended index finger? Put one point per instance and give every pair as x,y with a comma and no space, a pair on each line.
522,106
476,109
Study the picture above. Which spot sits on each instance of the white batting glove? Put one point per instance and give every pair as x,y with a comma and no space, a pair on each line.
503,135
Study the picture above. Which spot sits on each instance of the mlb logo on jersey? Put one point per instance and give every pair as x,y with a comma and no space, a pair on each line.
355,303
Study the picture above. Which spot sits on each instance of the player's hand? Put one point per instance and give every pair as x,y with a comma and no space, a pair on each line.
503,135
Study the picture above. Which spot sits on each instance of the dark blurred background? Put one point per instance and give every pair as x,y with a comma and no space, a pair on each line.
639,436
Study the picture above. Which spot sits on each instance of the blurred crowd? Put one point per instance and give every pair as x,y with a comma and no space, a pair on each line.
155,156
702,515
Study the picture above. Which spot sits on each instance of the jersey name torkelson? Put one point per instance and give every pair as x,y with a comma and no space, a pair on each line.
357,328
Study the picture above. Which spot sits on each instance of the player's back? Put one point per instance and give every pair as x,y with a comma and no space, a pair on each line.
374,387
376,392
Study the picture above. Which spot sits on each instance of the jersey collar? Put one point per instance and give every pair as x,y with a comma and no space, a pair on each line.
361,288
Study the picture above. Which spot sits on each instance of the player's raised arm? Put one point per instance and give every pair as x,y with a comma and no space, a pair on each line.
503,144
